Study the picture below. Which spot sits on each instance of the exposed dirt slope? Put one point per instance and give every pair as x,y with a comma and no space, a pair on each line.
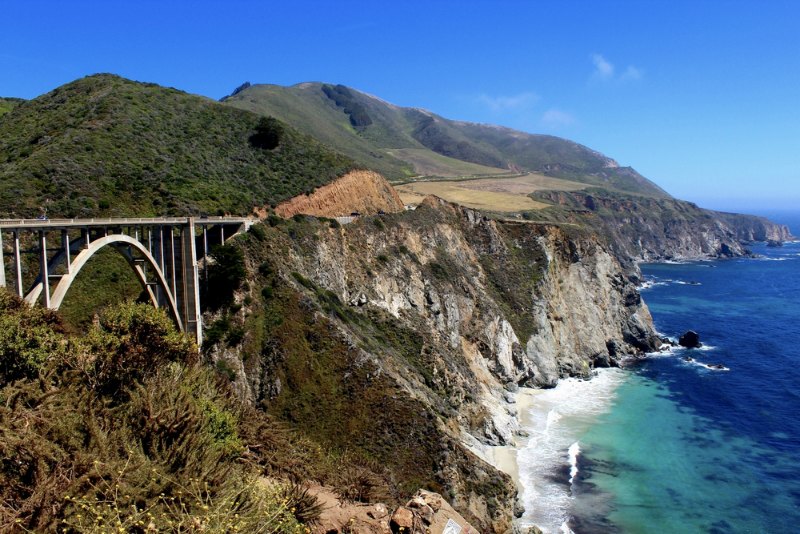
365,192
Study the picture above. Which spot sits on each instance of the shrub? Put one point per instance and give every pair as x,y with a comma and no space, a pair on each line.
258,231
305,507
130,342
28,338
269,132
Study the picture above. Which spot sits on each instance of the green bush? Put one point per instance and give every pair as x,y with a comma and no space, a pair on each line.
130,342
28,338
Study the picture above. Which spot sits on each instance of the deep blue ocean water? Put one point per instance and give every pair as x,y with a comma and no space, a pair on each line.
685,448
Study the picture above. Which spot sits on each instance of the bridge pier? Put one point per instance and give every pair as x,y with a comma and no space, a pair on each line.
2,263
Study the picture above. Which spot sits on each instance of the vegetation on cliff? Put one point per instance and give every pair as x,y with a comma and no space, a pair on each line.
121,430
104,145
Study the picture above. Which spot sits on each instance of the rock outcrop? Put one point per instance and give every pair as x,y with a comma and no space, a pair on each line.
365,192
651,229
690,339
427,319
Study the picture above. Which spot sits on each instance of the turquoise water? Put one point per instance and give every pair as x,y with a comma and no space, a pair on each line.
670,444
685,448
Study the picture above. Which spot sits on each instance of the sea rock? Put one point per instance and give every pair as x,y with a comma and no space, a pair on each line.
690,339
774,243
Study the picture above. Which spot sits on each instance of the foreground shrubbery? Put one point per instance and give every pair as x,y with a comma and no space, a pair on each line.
120,429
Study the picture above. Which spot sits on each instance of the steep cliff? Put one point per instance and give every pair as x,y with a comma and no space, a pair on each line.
365,192
398,337
649,229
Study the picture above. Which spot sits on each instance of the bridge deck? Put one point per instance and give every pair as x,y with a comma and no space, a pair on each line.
63,224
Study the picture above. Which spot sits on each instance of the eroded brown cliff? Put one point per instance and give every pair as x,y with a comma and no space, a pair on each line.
365,192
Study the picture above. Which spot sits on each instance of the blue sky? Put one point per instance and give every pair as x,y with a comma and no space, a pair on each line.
701,97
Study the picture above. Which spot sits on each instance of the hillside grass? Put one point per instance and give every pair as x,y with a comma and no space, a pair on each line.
103,145
308,109
429,163
388,133
496,194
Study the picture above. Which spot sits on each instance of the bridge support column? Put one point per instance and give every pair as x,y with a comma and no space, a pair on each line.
190,307
43,267
18,265
2,263
65,246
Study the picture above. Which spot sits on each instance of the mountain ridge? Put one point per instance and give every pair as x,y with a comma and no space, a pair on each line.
393,127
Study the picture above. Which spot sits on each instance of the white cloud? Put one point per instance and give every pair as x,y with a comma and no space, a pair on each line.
631,73
556,118
605,71
508,103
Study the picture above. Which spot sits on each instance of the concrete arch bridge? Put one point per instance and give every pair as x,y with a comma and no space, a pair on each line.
163,253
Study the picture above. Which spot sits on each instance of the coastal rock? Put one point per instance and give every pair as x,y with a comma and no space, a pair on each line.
402,520
690,340
457,311
379,511
774,243
653,229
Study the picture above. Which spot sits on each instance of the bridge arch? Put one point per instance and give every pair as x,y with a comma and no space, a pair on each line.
115,240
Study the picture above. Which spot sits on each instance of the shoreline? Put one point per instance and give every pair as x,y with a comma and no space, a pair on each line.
540,463
504,457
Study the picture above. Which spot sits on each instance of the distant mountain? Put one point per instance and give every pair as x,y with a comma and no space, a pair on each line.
401,142
104,145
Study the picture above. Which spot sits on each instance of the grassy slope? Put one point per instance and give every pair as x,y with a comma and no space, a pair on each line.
103,145
429,163
306,107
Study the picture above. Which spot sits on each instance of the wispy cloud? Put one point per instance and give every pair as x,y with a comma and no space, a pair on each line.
555,118
605,71
603,68
631,73
516,102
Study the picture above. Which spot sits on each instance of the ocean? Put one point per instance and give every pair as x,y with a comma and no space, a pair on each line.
672,444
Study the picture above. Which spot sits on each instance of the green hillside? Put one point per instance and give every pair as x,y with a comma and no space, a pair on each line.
7,104
393,140
307,108
104,145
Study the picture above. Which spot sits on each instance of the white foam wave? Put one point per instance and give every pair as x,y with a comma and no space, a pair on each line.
555,422
766,258
573,452
648,284
552,417
710,366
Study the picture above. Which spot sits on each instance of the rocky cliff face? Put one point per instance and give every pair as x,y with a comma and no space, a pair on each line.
417,324
365,192
649,229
